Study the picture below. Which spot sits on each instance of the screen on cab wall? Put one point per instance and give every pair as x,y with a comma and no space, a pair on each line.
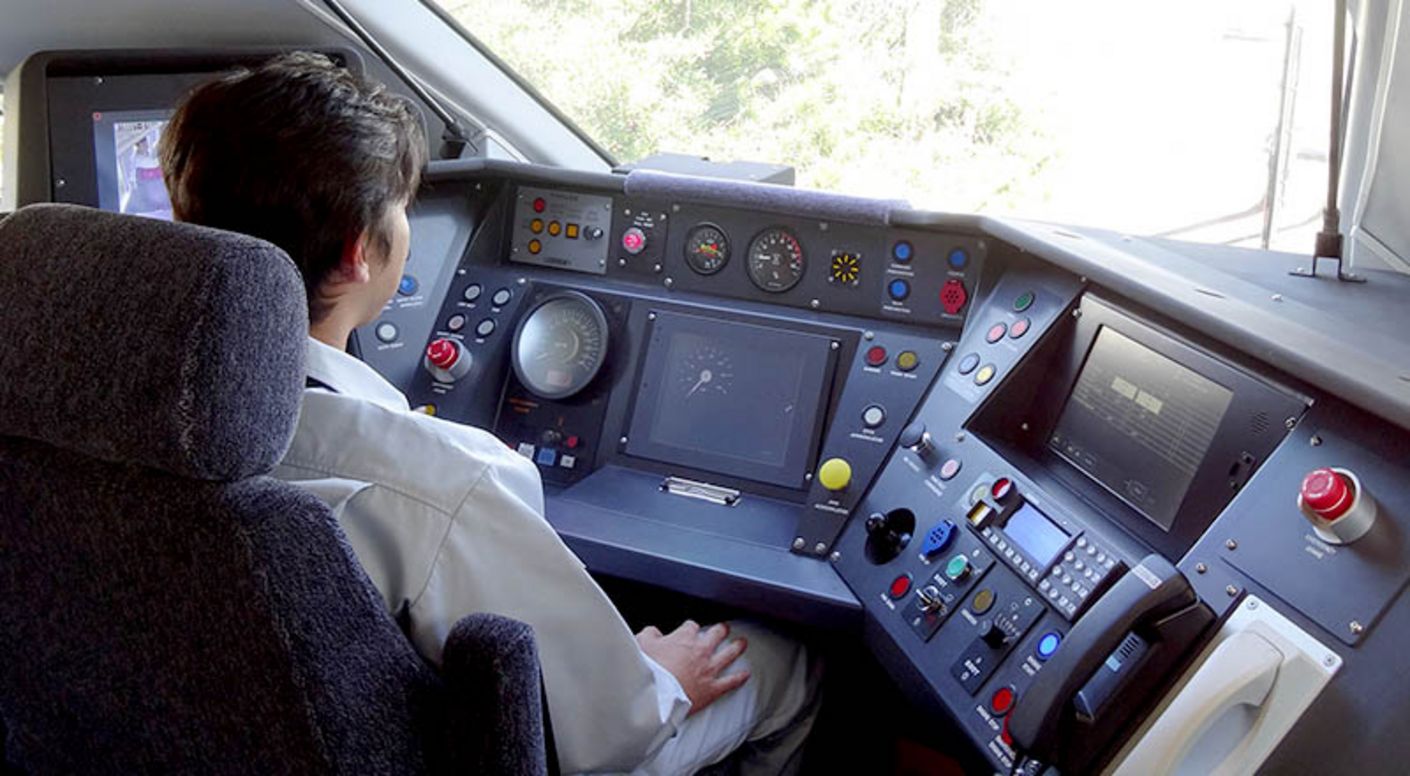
129,172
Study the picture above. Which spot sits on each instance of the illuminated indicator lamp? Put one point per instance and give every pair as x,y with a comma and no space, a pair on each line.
876,355
1001,488
571,231
1048,644
900,586
536,225
938,539
953,296
1024,301
902,251
950,468
634,241
958,258
535,246
539,205
907,360
1020,328
1002,701
983,601
979,514
554,228
899,289
571,442
407,286
996,332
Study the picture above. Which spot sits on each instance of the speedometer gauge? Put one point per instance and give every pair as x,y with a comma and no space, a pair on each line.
776,261
560,346
707,249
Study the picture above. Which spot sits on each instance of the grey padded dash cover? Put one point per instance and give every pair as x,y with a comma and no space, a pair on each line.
134,340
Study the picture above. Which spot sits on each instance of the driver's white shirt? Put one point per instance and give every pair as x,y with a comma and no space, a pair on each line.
448,521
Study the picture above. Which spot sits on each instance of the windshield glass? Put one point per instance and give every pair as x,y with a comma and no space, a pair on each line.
1201,120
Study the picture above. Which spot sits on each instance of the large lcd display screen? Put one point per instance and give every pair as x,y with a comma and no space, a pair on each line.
1139,424
129,173
730,397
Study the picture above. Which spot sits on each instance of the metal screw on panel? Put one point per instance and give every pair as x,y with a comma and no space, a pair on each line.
1277,297
798,543
1231,590
621,262
623,440
1300,271
959,436
834,345
1076,313
815,304
1329,661
1315,441
868,335
655,267
663,216
1356,628
1200,568
822,226
1252,604
626,211
522,281
835,556
602,262
1290,423
675,208
60,183
668,282
820,548
651,316
947,347
1231,544
98,81
1023,426
808,477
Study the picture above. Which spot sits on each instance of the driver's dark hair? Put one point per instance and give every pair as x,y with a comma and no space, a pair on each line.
300,152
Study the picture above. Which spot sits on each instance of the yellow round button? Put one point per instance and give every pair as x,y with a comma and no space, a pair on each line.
835,474
535,246
907,361
554,228
536,225
984,375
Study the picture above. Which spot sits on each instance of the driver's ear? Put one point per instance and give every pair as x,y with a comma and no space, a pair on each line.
352,266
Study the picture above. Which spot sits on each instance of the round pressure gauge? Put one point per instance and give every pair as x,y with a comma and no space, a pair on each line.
560,346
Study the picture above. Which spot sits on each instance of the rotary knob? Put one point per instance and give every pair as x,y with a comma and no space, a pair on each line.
930,600
915,437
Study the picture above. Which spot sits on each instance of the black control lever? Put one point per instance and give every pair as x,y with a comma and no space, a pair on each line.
1150,591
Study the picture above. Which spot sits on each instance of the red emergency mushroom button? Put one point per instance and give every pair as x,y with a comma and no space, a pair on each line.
446,359
1326,493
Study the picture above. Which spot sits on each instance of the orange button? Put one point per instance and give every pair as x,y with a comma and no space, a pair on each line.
572,232
536,225
554,228
535,246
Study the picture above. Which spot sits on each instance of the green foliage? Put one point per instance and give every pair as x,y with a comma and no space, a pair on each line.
863,96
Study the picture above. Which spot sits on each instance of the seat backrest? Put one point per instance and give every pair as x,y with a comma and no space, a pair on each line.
168,607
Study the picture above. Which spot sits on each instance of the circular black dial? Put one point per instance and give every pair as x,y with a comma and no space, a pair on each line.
705,371
707,249
560,346
776,261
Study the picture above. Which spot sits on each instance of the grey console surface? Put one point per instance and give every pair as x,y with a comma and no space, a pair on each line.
621,524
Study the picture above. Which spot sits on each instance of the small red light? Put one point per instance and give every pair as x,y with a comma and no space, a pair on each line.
571,442
539,205
1001,701
1001,488
876,355
900,586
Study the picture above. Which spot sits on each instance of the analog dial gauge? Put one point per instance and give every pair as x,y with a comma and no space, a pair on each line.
560,346
707,249
776,260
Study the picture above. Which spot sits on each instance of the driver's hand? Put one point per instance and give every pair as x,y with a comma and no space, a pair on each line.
697,658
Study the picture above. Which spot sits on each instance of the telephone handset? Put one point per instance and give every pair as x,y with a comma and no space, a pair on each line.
1110,663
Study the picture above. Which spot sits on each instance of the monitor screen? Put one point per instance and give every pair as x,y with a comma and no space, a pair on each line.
1139,424
731,397
1032,531
128,173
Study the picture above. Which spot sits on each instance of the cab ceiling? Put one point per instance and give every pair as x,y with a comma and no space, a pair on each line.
27,26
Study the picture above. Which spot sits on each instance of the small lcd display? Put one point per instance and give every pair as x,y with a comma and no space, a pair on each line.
1032,531
129,173
733,398
1140,424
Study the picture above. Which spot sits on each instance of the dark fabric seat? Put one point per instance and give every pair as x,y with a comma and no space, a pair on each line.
168,607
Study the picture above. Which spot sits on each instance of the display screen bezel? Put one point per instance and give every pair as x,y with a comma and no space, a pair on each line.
819,368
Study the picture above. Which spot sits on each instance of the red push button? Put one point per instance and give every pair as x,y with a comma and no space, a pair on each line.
876,355
1001,488
953,296
539,205
442,353
1002,701
1326,493
1020,327
634,241
996,332
900,586
571,442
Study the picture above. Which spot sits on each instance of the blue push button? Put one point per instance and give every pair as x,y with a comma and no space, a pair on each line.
939,538
959,258
546,457
899,289
408,285
969,363
1048,644
902,252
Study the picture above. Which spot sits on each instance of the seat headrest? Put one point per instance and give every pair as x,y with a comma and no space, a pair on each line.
140,341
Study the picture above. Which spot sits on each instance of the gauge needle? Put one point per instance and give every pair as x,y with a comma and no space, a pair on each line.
705,377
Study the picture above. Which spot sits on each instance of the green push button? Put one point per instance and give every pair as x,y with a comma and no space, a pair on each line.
1023,302
957,568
